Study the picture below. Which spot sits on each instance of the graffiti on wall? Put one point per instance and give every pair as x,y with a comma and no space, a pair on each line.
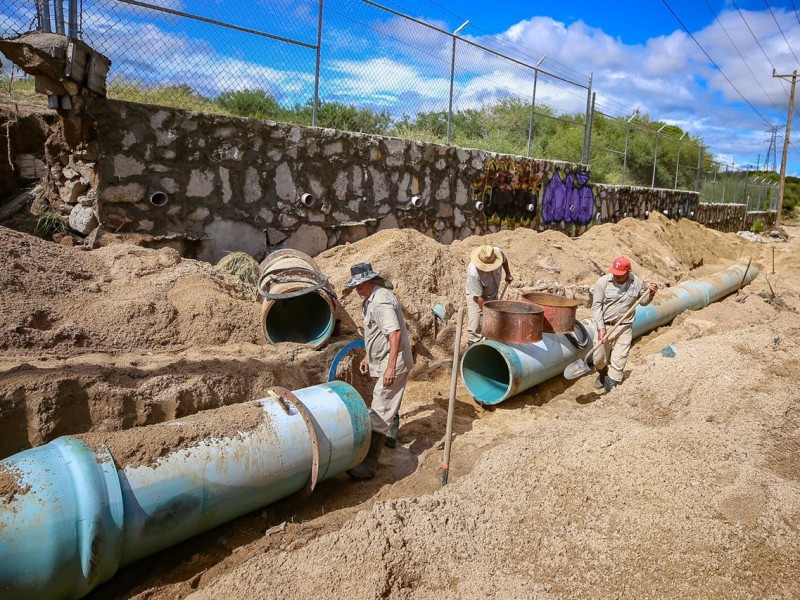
523,193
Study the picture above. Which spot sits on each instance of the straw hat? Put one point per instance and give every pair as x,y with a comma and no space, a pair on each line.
486,258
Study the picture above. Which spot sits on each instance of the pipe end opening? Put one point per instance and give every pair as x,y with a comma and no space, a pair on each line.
159,198
486,374
306,319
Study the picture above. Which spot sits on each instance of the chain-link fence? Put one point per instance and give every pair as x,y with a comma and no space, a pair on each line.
726,184
357,65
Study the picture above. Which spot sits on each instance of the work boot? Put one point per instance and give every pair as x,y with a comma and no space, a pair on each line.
600,380
391,438
366,470
609,384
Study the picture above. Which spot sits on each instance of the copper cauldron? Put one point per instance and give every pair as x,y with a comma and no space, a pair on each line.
559,312
512,321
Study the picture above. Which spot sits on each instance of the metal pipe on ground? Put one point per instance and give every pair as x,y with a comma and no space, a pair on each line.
299,301
494,371
74,510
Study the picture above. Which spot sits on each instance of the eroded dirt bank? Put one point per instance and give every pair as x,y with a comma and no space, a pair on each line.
684,481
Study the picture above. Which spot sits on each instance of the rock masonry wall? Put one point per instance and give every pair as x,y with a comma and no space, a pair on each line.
210,184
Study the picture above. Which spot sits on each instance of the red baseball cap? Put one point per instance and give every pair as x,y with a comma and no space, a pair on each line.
620,266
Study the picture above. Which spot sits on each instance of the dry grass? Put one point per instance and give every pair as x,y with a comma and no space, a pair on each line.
243,266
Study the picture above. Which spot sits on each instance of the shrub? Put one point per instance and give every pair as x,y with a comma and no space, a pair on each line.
758,226
243,266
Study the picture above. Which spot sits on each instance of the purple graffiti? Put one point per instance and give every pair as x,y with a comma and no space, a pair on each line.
571,200
580,199
555,200
585,210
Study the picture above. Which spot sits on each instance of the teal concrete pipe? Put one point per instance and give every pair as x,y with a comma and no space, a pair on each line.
691,295
71,514
495,371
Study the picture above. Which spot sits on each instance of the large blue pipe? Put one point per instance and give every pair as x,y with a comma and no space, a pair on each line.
70,514
495,371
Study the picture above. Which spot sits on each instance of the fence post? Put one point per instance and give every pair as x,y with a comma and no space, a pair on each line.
700,170
678,162
724,183
43,14
591,131
714,189
760,192
533,102
73,19
746,177
315,109
452,80
58,9
533,108
625,156
587,125
655,156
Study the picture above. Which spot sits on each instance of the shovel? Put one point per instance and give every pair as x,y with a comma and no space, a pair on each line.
579,367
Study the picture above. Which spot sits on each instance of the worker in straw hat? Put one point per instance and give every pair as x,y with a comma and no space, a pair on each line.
614,293
388,357
484,273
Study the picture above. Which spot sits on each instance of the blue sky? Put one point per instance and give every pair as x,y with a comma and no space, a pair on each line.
638,54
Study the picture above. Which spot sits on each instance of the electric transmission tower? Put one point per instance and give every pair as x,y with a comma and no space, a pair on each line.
772,150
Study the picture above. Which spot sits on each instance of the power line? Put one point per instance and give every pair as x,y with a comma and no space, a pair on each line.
781,30
795,12
783,84
699,45
741,56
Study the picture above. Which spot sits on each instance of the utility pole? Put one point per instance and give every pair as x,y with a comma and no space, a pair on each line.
785,143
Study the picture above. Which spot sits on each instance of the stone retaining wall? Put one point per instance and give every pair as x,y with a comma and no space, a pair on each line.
210,184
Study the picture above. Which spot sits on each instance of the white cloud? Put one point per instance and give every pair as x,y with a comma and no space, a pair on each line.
383,76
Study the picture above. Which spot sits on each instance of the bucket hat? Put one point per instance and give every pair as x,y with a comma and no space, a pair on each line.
363,272
486,258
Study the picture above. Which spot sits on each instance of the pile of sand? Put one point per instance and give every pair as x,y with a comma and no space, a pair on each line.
683,482
114,299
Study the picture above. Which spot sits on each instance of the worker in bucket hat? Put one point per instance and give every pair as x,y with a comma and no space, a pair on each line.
614,293
388,358
484,273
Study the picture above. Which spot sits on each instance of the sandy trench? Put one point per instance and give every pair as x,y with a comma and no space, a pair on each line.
685,481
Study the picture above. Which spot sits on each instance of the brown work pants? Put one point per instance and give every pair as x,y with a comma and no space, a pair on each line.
613,353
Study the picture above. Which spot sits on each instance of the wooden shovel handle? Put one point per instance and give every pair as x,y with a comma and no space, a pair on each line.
627,314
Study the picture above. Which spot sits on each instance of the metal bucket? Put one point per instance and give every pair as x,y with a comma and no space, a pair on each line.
299,302
559,311
512,321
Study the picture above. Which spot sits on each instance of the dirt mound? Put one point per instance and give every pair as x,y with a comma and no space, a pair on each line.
682,482
558,492
661,249
424,273
114,299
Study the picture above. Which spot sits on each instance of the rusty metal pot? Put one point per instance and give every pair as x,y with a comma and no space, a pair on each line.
559,311
512,321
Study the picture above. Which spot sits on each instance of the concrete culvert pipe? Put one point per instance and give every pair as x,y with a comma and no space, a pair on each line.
299,301
75,510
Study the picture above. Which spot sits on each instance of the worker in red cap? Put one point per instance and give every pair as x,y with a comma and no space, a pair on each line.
614,294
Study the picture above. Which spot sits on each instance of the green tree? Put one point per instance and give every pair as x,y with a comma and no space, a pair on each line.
336,115
251,103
